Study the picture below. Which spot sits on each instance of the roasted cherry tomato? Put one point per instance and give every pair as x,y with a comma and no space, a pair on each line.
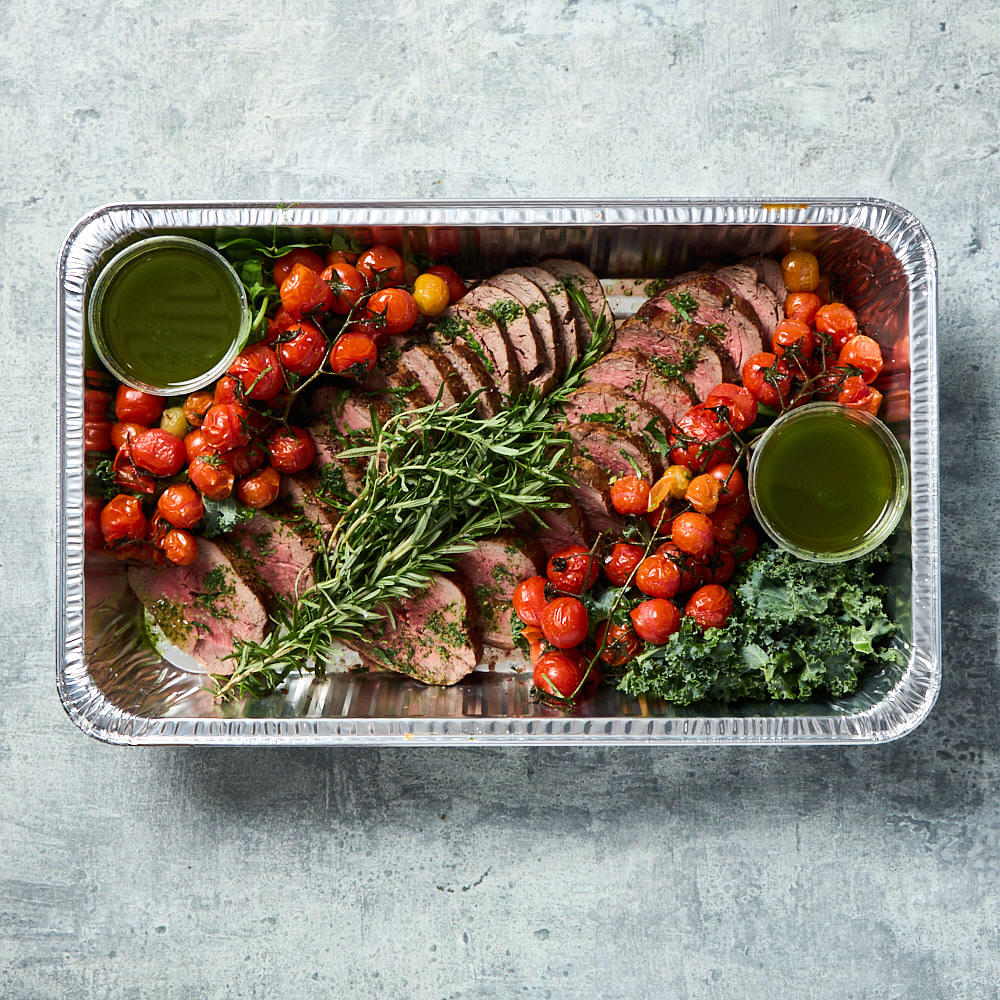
292,449
630,495
703,493
122,432
731,483
558,674
304,292
180,506
620,644
710,606
158,451
195,445
180,547
838,322
621,561
133,406
800,269
347,284
97,404
656,620
353,355
693,573
856,394
212,476
96,435
259,490
225,426
529,600
227,390
122,520
658,577
397,308
258,370
739,402
565,622
381,266
660,518
303,352
451,277
340,257
802,306
308,258
699,439
723,565
573,570
692,533
863,353
725,524
277,325
248,459
745,545
430,292
766,376
173,421
795,339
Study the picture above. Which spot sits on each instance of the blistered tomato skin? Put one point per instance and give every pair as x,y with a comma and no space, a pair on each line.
658,577
656,620
122,519
258,370
692,533
195,445
767,378
196,406
698,439
620,563
573,570
398,309
838,322
740,404
122,432
710,606
802,306
529,600
303,352
225,426
180,547
180,506
703,493
617,643
794,339
630,496
304,291
212,476
381,266
565,622
158,451
731,483
247,459
259,490
353,355
558,674
864,354
347,285
301,255
133,406
292,449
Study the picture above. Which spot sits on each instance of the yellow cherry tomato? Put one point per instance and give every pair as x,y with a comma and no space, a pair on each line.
431,294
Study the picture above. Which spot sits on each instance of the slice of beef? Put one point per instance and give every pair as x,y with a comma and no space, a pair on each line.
536,306
279,551
715,307
204,607
563,526
348,411
591,489
742,279
769,271
634,374
513,320
434,373
493,569
563,325
572,272
686,352
305,496
617,452
598,403
473,372
482,334
394,379
434,639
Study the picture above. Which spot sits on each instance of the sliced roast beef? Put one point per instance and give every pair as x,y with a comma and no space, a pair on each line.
493,569
715,307
280,552
598,403
536,307
305,495
473,372
204,607
572,272
513,320
591,490
563,325
769,271
394,379
434,639
633,373
742,280
435,373
349,412
563,526
683,351
617,452
481,333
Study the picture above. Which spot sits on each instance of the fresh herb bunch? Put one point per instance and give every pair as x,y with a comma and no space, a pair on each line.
437,481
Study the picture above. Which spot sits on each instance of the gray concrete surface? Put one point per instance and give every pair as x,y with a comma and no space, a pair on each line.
747,873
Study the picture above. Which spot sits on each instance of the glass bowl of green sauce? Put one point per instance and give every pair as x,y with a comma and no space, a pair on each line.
168,315
828,483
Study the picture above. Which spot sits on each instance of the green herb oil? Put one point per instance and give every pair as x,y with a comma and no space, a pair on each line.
170,315
824,482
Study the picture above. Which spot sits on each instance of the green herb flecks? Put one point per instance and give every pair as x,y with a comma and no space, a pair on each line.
504,312
685,304
216,587
100,481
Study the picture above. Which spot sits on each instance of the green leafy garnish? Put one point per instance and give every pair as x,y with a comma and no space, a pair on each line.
101,480
222,516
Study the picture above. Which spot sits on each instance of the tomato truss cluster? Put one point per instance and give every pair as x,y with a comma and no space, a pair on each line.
235,440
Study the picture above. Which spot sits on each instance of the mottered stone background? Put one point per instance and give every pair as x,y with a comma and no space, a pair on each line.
511,873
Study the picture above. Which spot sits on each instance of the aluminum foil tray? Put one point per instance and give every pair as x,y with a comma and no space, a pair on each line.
882,259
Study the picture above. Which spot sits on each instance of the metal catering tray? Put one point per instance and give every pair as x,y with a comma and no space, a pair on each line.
883,262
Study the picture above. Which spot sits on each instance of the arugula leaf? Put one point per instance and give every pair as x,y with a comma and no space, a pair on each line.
222,516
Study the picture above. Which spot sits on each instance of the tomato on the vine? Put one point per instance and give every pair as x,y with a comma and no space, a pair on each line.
767,378
703,493
574,569
430,293
347,284
122,519
304,349
620,643
340,257
856,394
277,325
838,322
227,390
630,495
247,459
698,439
353,355
723,565
558,674
725,524
692,533
621,561
225,426
565,622
710,606
292,449
795,338
745,544
658,577
739,402
864,354
180,547
300,255
802,306
529,600
731,483
134,406
122,432
451,277
258,370
656,620
259,490
800,269
304,291
195,445
196,406
212,476
180,506
158,451
397,307
381,266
